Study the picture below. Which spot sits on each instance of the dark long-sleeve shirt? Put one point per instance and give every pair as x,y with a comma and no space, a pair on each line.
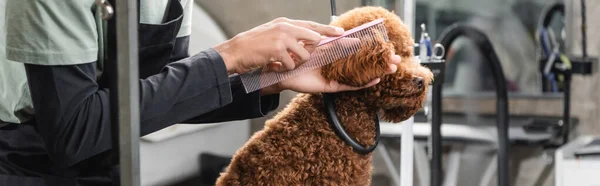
70,136
73,113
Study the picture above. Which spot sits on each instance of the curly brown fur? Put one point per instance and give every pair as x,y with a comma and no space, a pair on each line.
298,147
369,59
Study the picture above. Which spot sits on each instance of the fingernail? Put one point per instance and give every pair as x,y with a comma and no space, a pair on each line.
396,59
394,68
339,30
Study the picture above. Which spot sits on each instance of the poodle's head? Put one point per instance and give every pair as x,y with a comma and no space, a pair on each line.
399,95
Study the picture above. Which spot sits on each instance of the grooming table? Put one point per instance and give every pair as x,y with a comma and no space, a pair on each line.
411,153
414,153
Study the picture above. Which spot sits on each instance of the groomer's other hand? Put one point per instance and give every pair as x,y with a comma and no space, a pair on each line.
285,41
314,82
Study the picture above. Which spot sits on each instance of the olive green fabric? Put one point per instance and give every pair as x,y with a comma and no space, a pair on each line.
55,32
48,32
15,102
153,11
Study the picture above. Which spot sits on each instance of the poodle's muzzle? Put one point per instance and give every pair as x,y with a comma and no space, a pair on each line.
418,82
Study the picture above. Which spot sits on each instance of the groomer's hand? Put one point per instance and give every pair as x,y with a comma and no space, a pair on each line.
314,82
286,42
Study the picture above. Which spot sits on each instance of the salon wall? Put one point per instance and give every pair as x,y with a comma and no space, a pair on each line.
586,99
236,16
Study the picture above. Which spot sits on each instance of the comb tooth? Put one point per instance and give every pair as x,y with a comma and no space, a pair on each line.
319,58
330,54
327,56
333,52
379,29
336,51
274,77
348,50
340,51
282,75
318,55
366,37
357,47
250,81
383,31
262,80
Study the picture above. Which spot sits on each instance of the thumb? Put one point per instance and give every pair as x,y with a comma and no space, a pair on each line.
343,87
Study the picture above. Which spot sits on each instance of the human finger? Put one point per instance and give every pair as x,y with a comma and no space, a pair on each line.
274,67
396,59
346,43
343,87
309,47
392,68
372,83
286,61
299,33
341,46
298,50
319,28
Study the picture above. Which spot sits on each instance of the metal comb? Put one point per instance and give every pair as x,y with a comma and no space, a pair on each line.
327,51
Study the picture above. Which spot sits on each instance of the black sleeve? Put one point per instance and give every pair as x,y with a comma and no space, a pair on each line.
244,105
180,49
73,113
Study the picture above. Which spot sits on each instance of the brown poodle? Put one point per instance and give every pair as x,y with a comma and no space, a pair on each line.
299,147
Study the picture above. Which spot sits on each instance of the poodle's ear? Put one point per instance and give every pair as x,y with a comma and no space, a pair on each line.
360,68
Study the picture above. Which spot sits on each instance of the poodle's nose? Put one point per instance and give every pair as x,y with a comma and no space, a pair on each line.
418,81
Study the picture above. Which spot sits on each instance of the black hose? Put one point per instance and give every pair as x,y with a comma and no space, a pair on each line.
485,46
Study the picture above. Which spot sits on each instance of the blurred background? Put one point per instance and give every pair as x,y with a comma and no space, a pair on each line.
468,94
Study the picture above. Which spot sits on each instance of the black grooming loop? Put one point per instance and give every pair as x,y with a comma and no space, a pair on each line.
438,68
338,128
336,124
